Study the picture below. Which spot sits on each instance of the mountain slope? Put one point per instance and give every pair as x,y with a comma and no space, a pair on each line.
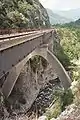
23,14
56,19
75,24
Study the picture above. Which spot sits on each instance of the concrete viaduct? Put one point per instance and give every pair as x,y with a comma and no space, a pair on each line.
17,49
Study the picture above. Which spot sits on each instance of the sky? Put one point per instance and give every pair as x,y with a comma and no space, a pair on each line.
61,4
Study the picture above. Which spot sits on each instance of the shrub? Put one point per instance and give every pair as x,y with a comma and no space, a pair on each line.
76,90
62,99
55,110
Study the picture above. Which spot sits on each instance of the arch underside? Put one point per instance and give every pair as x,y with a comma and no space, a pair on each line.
45,53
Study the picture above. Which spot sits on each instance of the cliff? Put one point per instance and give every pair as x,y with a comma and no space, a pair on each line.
23,14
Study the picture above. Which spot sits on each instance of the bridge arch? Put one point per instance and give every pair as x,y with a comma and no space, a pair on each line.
45,53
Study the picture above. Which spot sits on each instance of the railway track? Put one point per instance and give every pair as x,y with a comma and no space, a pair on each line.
4,31
7,41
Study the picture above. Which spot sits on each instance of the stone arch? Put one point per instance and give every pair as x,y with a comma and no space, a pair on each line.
45,53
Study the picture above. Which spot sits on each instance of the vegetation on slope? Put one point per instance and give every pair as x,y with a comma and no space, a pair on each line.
62,98
69,38
23,14
70,41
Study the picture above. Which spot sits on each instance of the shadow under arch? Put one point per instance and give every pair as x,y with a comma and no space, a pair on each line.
46,54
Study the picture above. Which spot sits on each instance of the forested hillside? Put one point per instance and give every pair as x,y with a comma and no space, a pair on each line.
70,41
69,36
75,24
23,14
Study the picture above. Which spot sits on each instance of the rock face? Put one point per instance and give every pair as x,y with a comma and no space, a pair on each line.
45,98
23,14
43,118
72,112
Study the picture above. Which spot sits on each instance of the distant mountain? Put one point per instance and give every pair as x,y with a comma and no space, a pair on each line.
73,24
77,22
70,14
57,19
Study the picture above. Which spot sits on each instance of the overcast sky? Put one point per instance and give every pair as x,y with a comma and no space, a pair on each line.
61,4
